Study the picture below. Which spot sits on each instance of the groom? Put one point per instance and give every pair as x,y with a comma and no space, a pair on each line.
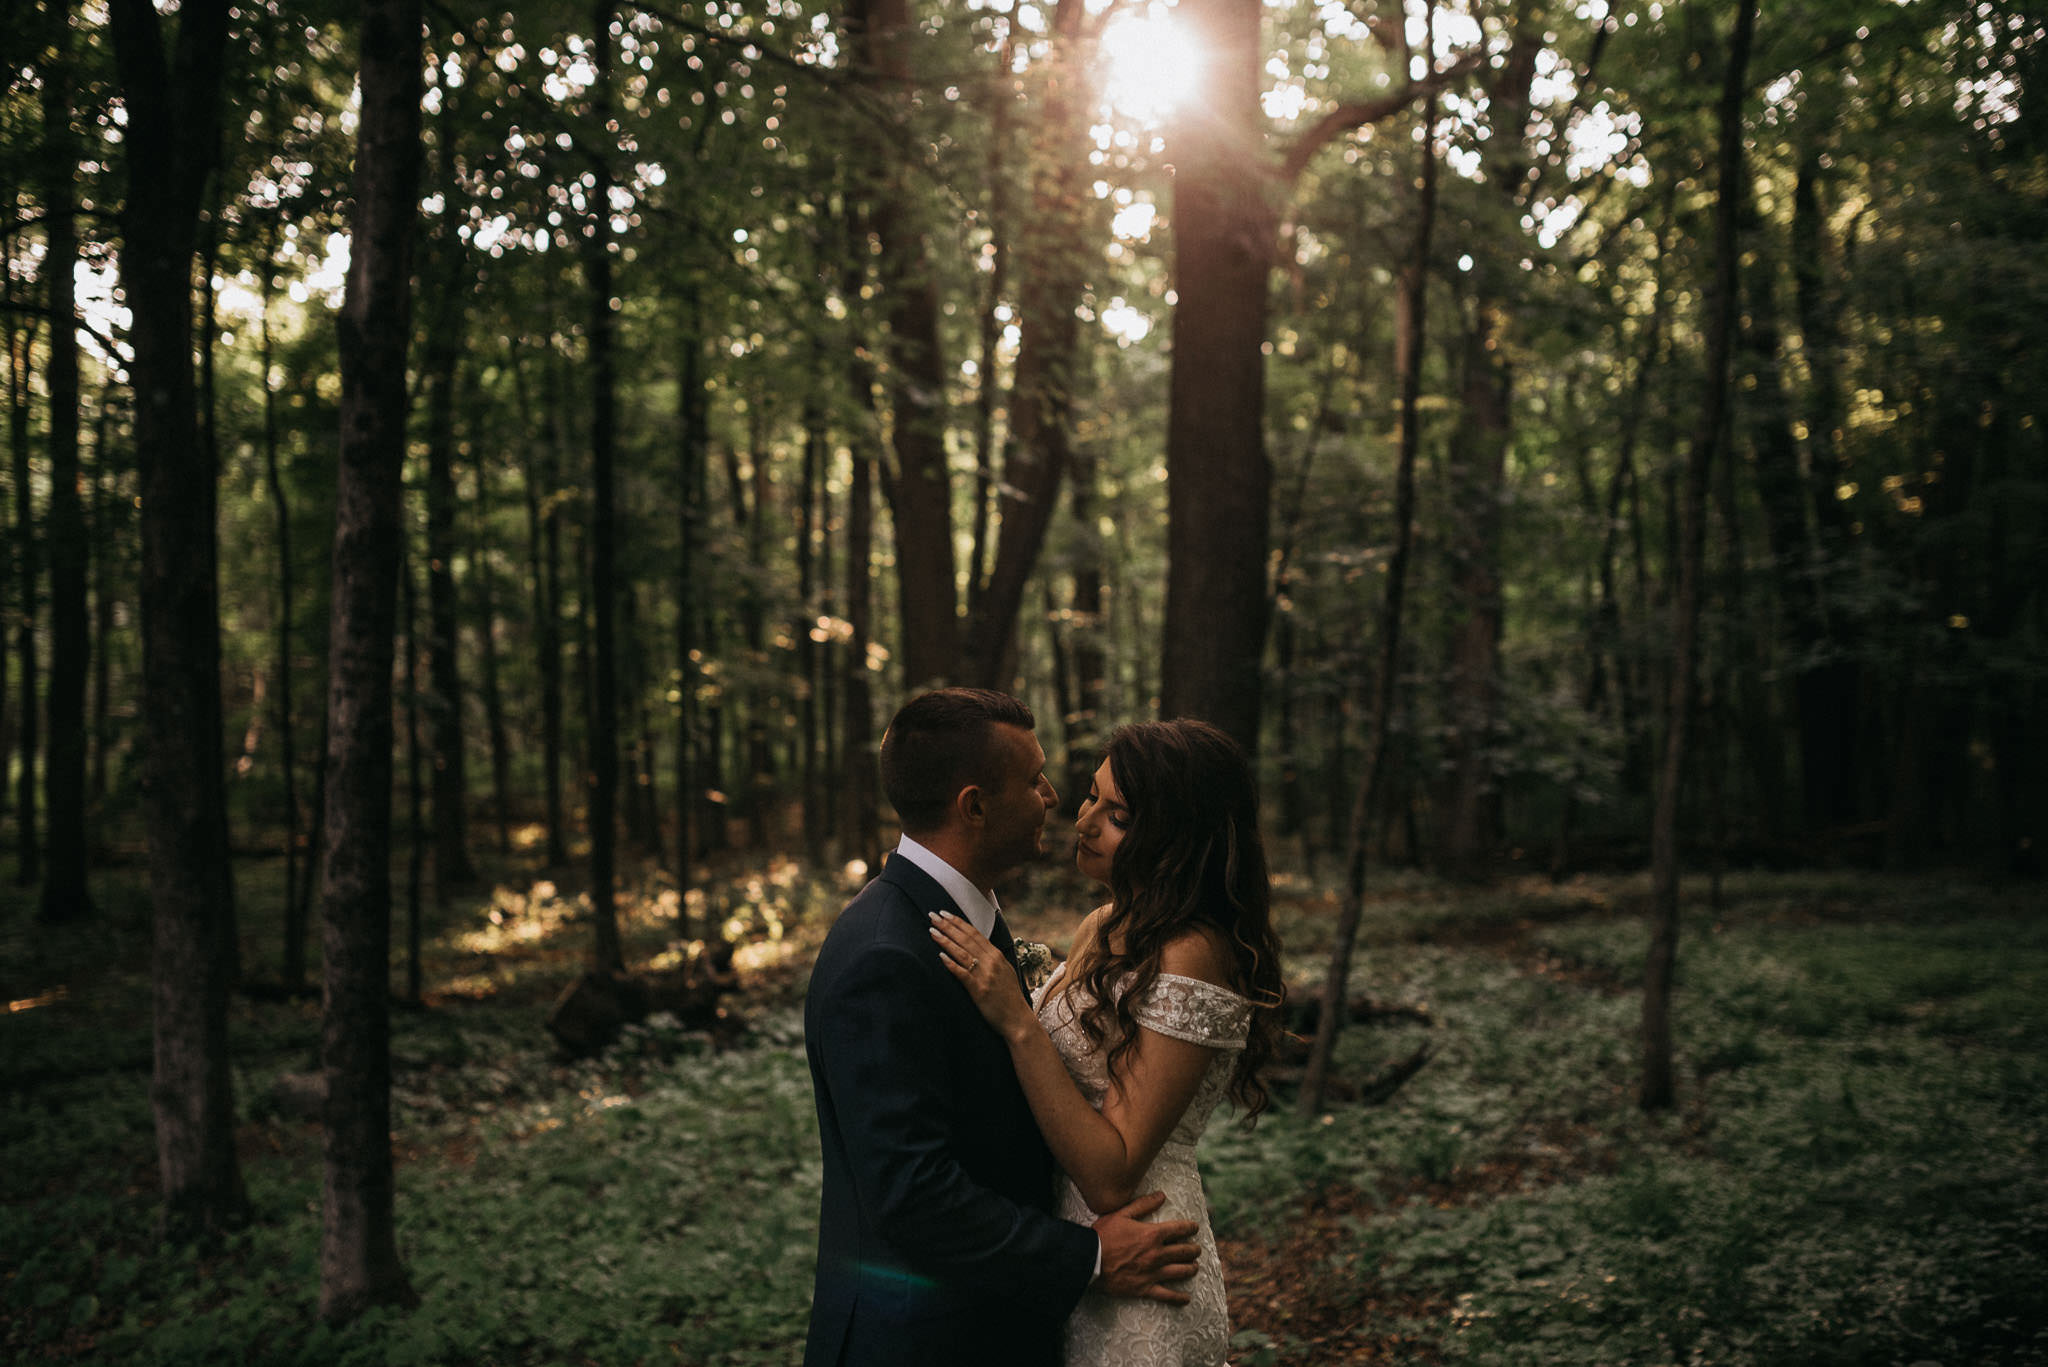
935,1241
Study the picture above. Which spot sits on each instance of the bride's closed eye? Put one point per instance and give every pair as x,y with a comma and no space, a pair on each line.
1117,818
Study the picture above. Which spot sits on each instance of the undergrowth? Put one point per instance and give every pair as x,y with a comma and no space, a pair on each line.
1853,1175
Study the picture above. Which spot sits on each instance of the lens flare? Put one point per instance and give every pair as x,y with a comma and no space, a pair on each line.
1152,66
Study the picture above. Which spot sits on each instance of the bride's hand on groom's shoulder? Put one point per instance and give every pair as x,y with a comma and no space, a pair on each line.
1143,1259
981,968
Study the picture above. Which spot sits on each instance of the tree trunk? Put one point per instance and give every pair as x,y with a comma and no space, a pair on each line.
1470,806
17,328
863,835
1828,690
105,539
544,551
294,967
64,891
487,645
642,822
1084,727
921,493
359,1263
14,328
1409,337
440,365
1055,252
805,630
1470,820
28,842
1219,490
415,766
692,473
1658,1089
608,956
173,105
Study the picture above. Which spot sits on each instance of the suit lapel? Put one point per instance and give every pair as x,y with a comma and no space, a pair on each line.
927,896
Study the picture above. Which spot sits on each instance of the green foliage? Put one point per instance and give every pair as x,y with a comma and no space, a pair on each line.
1853,1175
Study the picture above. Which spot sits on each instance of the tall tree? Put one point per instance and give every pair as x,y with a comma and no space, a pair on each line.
173,104
1658,1089
1054,250
487,648
441,372
1220,480
359,1262
1476,471
1409,333
692,472
64,891
1219,488
607,953
293,967
28,846
920,493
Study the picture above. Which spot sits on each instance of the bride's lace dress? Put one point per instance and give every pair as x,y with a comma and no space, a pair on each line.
1109,1331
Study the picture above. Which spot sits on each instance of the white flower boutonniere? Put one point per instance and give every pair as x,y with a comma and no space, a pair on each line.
1034,963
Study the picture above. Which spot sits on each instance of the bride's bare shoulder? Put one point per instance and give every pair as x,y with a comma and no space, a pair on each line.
1199,953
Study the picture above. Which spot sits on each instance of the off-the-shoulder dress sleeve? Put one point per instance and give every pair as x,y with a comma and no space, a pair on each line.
1196,1011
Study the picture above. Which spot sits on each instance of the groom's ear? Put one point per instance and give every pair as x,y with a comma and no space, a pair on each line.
968,806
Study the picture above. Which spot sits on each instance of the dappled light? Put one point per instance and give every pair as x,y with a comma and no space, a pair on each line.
479,487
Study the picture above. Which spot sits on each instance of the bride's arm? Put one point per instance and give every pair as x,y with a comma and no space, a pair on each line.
1105,1152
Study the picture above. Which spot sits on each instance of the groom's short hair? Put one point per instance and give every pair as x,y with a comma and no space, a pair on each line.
941,742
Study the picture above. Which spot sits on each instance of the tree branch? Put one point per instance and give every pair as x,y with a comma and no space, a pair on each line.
1346,117
107,345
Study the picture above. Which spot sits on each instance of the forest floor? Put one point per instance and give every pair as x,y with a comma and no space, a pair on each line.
1854,1173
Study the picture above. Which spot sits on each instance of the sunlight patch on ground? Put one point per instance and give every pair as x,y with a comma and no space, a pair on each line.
55,994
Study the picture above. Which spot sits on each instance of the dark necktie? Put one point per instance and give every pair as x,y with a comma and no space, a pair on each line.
1006,945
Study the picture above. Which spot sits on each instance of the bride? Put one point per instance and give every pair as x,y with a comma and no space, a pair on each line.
1169,1002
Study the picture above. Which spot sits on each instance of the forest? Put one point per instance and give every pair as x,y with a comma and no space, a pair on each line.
479,483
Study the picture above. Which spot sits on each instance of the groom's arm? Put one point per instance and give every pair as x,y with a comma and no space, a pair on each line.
883,1046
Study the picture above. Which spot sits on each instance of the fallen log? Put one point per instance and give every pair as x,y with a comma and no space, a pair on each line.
591,1011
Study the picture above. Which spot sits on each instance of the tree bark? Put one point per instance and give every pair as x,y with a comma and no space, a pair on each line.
441,364
1658,1087
921,493
692,473
64,890
1828,690
1084,725
1219,489
643,829
359,1262
27,738
544,553
105,538
1055,252
293,969
173,104
415,766
1409,337
805,630
1470,805
14,327
607,954
487,648
862,778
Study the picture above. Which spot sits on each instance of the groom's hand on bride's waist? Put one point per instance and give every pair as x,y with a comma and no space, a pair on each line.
1143,1259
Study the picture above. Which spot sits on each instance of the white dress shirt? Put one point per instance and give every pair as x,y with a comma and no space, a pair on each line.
978,907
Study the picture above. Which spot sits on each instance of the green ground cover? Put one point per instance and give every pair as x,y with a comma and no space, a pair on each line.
1854,1175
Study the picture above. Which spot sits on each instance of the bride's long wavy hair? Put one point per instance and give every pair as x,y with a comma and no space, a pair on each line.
1191,857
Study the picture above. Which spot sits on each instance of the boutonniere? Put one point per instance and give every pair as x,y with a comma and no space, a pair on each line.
1034,963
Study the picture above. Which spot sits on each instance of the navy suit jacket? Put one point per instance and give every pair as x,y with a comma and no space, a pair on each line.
936,1244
